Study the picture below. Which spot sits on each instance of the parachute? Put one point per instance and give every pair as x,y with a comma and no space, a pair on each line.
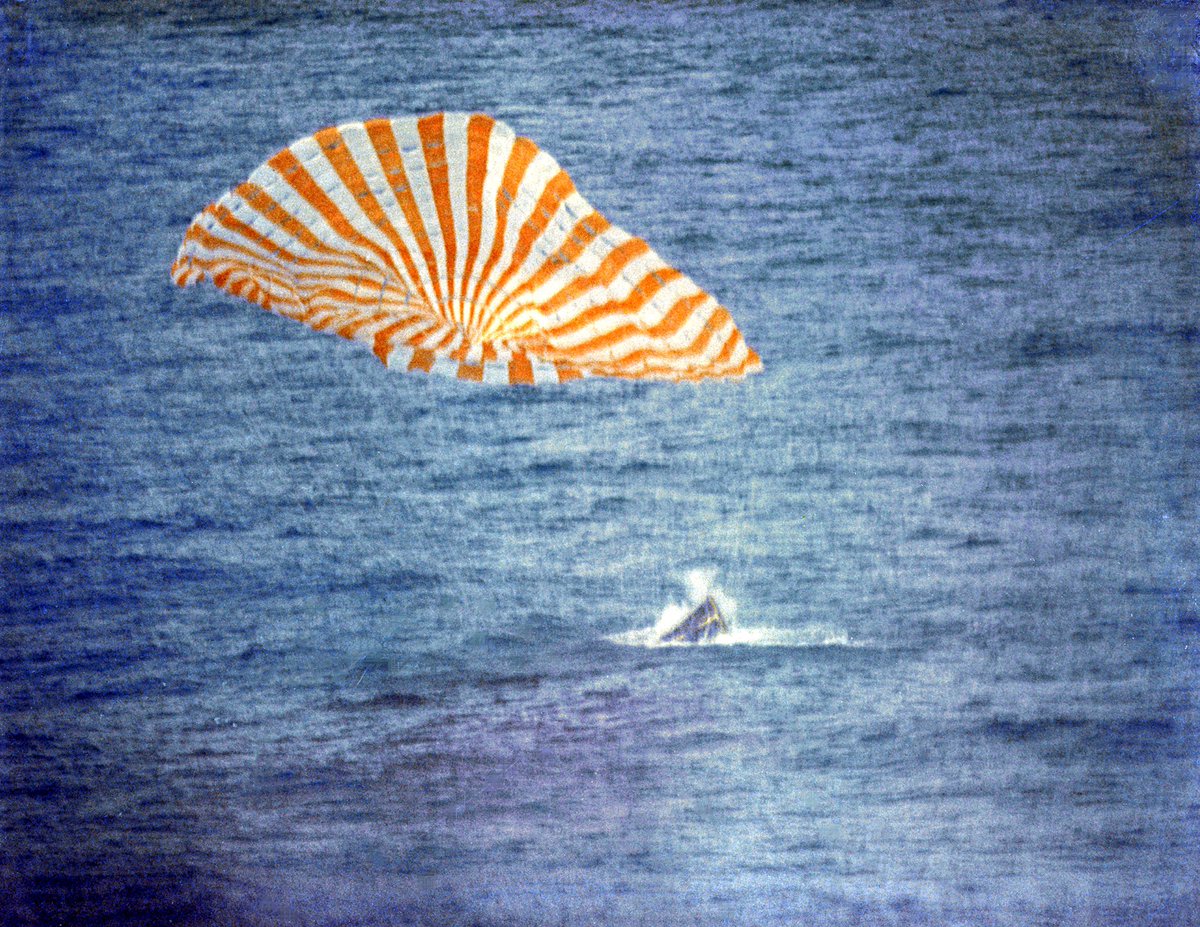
449,244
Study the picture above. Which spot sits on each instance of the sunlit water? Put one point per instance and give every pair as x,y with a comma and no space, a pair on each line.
289,638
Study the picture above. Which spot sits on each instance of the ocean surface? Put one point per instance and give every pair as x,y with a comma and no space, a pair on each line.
288,638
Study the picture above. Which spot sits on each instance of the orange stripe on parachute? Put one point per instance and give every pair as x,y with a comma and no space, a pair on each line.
539,220
486,351
585,231
433,144
693,352
523,153
275,252
616,261
347,169
298,177
251,264
271,210
520,371
421,360
383,341
388,150
675,320
349,331
645,291
479,135
278,258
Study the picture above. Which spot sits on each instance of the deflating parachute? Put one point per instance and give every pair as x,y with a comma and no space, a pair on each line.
449,244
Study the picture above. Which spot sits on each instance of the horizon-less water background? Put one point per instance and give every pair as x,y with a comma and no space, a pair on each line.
290,639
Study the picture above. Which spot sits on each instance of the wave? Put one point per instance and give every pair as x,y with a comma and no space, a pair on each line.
815,635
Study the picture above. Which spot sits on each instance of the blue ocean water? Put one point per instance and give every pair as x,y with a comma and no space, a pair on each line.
290,639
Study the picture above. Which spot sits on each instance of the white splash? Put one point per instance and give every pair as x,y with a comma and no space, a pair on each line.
700,584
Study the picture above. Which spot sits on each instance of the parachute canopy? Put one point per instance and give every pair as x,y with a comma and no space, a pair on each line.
449,244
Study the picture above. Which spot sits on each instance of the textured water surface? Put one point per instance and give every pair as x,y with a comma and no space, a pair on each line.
289,638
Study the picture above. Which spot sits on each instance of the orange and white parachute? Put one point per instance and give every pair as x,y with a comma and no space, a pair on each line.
449,244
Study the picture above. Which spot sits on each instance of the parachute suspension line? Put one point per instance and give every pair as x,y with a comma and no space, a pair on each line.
1153,218
739,540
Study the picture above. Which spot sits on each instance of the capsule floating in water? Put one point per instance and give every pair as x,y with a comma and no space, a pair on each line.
704,623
